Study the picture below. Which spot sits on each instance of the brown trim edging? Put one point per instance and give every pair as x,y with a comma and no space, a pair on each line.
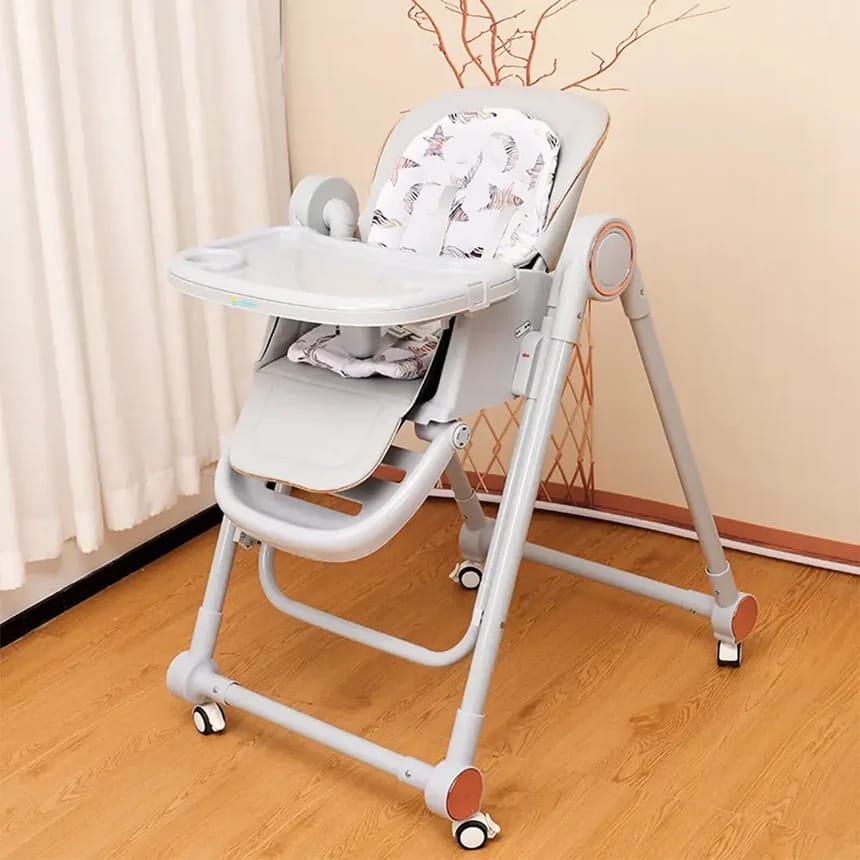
675,515
802,544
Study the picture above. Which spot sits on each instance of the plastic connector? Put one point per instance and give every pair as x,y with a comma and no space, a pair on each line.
340,218
326,204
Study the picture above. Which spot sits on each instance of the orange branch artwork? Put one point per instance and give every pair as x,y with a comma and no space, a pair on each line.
500,48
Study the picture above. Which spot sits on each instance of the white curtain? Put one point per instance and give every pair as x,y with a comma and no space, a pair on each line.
128,130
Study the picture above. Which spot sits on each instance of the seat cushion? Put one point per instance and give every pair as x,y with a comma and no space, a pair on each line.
471,184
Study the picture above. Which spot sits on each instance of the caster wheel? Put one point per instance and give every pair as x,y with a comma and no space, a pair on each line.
469,575
475,832
729,655
209,719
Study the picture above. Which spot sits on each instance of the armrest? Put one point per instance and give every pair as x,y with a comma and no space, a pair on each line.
326,204
296,273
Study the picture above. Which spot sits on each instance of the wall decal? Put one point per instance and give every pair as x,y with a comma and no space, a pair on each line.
486,47
480,45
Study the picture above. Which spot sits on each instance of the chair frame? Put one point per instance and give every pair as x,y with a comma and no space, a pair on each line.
453,787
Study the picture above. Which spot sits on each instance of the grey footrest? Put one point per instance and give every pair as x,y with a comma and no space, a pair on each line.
313,531
310,428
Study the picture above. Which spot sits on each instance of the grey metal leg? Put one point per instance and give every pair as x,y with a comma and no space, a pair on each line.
464,493
186,665
509,534
693,601
209,615
719,573
406,768
477,528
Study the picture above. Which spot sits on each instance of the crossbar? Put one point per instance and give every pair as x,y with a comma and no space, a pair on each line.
407,769
686,598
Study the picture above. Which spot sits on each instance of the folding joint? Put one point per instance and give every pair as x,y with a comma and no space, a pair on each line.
601,250
454,790
734,623
598,262
244,539
461,434
186,676
611,260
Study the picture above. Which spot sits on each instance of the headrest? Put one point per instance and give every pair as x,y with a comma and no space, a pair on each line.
473,183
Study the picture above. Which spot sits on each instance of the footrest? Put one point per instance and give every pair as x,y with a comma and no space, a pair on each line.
308,427
313,531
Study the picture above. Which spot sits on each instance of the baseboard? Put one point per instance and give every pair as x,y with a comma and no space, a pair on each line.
675,515
802,544
34,616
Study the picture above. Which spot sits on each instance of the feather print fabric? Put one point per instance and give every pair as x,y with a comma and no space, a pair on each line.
379,219
463,181
414,192
401,164
495,161
535,171
512,152
502,197
469,115
435,142
458,213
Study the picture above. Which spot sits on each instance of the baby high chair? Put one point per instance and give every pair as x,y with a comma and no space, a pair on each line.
465,287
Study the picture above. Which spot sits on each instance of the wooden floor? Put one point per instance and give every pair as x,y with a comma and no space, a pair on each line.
610,732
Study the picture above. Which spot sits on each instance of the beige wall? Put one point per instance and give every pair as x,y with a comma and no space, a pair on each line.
735,156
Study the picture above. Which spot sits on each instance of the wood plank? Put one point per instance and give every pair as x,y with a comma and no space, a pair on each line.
610,733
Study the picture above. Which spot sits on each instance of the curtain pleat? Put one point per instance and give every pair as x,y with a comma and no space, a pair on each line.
130,130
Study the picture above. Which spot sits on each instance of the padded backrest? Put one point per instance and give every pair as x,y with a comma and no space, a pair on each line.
579,122
471,184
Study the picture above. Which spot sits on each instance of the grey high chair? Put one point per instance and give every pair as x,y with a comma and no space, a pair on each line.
508,308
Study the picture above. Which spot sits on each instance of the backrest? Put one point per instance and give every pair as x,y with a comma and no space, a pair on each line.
471,184
579,123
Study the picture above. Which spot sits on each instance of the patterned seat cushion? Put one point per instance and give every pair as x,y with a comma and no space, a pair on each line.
473,183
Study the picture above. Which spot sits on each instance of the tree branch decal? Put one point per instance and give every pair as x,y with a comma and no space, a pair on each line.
501,47
421,17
